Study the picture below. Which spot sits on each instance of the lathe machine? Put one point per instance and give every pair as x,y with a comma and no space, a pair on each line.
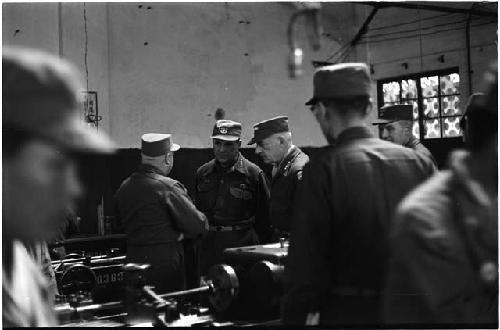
105,291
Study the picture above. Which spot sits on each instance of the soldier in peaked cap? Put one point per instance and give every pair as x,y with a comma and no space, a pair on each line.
396,124
42,134
274,144
234,195
157,213
342,210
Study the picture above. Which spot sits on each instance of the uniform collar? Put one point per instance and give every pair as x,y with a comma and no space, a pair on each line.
412,142
291,155
149,169
354,133
239,166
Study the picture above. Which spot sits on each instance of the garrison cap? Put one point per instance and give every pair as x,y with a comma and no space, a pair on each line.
395,112
155,144
269,127
40,98
341,81
227,130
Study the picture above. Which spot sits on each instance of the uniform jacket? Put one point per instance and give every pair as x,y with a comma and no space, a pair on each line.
445,249
155,209
416,145
233,196
283,187
341,219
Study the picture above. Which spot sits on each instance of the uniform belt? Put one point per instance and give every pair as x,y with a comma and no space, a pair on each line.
238,225
230,228
347,291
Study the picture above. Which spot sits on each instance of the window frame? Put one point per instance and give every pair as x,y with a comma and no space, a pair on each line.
420,98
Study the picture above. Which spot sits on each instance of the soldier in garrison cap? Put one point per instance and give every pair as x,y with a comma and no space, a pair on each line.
274,144
341,216
42,134
234,195
157,213
396,124
444,265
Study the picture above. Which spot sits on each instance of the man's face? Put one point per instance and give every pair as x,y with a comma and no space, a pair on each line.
226,152
394,132
271,150
40,183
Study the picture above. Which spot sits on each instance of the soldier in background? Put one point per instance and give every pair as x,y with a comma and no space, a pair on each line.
274,145
42,134
396,125
444,266
234,195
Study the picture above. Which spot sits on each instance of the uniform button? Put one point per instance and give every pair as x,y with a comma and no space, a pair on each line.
221,181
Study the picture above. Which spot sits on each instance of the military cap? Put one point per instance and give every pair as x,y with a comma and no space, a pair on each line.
40,98
341,81
227,130
269,127
155,144
395,112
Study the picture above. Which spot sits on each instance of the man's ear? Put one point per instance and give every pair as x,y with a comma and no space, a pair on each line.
239,143
369,108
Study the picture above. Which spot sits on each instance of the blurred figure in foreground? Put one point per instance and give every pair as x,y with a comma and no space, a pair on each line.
444,267
41,134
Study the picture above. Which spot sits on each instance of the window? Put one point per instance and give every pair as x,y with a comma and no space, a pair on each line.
435,97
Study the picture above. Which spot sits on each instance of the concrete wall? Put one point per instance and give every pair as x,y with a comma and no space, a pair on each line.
59,29
200,57
168,67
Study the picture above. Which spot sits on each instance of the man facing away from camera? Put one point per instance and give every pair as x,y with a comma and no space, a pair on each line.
42,134
157,214
341,216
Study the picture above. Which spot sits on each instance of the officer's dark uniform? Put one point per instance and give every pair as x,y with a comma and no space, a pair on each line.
154,211
287,176
341,218
235,201
283,187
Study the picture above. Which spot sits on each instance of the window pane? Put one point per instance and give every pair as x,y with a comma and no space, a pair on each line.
431,107
432,129
429,86
415,107
409,89
416,129
450,106
451,127
391,92
450,84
